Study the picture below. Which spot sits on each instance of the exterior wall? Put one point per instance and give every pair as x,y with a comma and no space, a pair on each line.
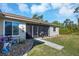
53,33
22,31
1,27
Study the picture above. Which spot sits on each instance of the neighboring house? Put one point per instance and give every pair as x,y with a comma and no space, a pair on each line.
16,25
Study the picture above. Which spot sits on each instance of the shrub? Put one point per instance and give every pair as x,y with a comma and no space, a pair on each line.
65,31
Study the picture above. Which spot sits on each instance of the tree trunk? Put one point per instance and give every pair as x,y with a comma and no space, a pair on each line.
78,23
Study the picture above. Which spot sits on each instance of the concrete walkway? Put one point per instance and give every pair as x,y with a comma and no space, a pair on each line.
51,44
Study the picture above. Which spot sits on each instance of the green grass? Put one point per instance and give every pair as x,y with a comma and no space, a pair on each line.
70,43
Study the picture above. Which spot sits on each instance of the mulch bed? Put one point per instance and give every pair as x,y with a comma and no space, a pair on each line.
20,49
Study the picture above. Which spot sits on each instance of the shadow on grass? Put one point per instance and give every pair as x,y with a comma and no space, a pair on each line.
36,42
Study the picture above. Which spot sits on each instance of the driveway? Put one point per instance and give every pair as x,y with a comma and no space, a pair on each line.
51,44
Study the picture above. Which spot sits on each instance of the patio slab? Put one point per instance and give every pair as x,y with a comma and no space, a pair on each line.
51,44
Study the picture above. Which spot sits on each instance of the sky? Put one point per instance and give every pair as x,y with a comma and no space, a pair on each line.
50,11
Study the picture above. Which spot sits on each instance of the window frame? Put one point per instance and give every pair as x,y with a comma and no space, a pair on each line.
12,27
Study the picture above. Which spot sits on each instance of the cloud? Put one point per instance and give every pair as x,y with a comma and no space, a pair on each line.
23,7
5,8
56,5
39,8
65,11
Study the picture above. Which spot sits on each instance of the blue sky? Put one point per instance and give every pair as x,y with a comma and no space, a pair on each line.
50,11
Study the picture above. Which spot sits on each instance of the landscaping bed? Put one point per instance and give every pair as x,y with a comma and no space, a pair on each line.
20,49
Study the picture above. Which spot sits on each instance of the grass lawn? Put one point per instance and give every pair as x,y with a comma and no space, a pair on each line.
70,43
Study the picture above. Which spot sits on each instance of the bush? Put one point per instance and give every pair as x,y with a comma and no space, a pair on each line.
65,31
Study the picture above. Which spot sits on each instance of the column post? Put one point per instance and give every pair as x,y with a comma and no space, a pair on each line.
32,30
37,30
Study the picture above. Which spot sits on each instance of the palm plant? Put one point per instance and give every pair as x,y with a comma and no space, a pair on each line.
77,14
66,22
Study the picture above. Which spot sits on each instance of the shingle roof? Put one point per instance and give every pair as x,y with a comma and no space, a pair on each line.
25,19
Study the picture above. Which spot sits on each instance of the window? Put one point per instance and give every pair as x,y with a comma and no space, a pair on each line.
11,28
54,28
8,28
15,27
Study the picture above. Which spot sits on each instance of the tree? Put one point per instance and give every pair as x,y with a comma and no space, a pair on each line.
66,22
46,21
69,27
35,16
77,11
56,23
40,17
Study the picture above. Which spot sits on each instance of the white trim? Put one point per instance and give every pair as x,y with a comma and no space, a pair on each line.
4,28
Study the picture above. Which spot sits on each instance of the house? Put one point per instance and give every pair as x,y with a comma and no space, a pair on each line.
23,27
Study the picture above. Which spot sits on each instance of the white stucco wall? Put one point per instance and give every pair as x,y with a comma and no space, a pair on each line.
53,33
22,31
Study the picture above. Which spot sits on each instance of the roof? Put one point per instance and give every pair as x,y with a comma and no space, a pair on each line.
25,19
